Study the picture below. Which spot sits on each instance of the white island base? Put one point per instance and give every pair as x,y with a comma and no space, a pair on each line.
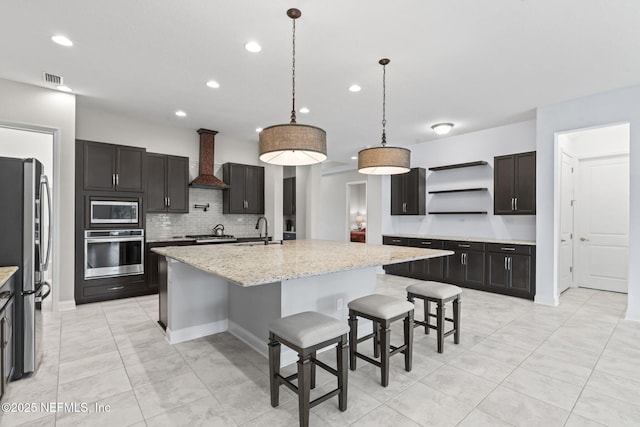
201,304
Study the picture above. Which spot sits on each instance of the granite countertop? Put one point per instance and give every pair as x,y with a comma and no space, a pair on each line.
465,239
170,239
6,273
254,264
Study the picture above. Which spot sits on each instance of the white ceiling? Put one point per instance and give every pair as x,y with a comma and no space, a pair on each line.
476,63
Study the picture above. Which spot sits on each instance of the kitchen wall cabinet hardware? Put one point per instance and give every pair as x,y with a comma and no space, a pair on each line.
167,183
515,184
457,212
510,269
109,167
494,267
458,190
458,165
289,196
245,194
408,193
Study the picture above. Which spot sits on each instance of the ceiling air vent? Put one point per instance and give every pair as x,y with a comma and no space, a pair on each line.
52,78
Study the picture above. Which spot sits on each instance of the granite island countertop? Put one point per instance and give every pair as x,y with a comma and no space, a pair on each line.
251,264
6,273
465,239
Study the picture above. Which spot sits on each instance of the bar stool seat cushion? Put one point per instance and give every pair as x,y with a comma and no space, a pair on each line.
308,328
434,290
381,306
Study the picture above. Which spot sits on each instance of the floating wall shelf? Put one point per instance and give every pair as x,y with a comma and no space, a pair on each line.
460,190
459,165
460,213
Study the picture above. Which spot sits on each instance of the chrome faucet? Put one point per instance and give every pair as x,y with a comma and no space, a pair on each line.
266,229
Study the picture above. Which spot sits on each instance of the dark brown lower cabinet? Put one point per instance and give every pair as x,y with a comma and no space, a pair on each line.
500,268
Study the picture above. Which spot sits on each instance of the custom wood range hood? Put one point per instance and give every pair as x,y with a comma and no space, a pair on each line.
206,179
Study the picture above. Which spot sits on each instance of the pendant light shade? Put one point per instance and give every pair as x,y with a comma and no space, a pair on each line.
293,144
384,160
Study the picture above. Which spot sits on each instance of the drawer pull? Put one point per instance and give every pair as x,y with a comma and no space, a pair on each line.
425,243
508,249
115,288
464,246
396,241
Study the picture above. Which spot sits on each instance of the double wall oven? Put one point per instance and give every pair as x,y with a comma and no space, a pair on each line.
114,242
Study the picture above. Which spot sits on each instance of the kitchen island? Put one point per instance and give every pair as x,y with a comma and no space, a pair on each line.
240,288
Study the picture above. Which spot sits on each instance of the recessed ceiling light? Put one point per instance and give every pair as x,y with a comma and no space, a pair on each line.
304,110
354,88
442,128
213,84
258,130
62,40
253,47
64,88
181,113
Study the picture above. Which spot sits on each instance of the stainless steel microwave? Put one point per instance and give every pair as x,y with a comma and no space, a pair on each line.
114,212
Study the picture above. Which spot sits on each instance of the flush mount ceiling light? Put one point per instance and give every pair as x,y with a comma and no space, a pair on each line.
62,40
181,113
253,47
213,84
384,160
354,88
442,128
293,144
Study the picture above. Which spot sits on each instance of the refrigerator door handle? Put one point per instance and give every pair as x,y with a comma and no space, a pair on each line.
45,183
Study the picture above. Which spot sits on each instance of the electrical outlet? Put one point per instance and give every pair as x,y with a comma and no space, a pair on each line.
339,304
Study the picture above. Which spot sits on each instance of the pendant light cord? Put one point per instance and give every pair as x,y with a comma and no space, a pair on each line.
293,76
384,103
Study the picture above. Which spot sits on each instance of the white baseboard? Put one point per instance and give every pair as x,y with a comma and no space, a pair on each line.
287,356
193,332
546,301
66,305
634,317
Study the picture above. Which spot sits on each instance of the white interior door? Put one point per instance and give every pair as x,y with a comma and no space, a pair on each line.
602,223
565,264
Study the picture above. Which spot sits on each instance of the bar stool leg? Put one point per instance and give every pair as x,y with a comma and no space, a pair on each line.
274,370
304,388
376,340
353,339
408,341
456,320
427,316
385,337
313,371
342,354
440,325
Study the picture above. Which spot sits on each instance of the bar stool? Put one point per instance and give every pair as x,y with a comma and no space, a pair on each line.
382,310
306,333
440,293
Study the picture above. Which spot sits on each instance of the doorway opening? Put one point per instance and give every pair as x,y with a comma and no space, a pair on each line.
593,210
357,212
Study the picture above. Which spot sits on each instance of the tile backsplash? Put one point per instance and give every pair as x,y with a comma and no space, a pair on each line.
197,221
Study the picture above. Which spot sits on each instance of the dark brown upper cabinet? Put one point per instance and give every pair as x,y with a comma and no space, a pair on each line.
408,193
289,196
167,183
109,167
514,184
245,194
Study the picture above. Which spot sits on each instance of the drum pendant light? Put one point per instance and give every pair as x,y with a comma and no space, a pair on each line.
384,160
293,144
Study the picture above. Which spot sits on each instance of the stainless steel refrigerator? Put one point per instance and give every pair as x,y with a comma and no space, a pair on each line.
25,241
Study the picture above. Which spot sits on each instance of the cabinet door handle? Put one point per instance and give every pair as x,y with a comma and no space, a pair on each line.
508,249
113,179
510,263
506,263
462,258
516,202
512,203
117,179
115,288
168,201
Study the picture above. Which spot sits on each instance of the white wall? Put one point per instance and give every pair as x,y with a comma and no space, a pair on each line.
31,106
603,141
617,106
482,145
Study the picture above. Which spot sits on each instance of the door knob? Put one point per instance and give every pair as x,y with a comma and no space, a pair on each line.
584,239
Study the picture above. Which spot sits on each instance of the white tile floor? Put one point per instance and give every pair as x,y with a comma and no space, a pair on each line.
518,364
